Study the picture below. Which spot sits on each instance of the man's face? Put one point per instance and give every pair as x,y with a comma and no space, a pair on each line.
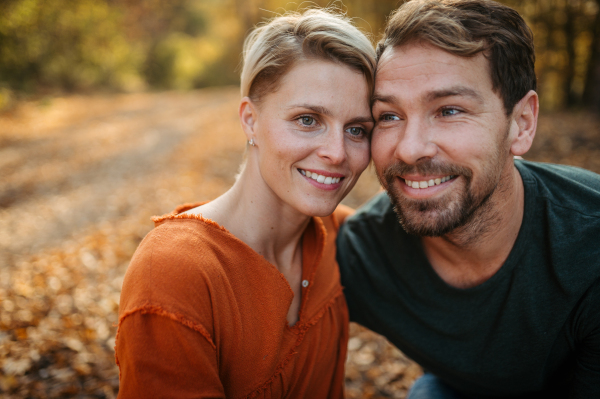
440,143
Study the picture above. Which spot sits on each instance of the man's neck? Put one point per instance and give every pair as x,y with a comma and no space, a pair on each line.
471,254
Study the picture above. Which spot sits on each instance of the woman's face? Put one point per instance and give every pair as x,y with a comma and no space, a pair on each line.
311,135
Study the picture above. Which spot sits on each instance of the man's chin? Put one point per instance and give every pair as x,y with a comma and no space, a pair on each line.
425,224
430,218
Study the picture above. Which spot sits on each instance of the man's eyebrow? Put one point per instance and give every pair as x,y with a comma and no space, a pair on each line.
433,95
454,91
315,108
391,99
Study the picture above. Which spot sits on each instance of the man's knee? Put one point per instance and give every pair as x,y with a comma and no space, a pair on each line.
431,387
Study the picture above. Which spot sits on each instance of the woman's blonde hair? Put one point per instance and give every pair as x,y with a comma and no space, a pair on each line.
272,49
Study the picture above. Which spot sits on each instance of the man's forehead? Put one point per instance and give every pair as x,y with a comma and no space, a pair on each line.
426,58
428,67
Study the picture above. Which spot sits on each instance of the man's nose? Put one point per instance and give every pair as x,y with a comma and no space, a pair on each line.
333,147
415,143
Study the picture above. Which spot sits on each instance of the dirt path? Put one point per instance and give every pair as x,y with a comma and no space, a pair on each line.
81,161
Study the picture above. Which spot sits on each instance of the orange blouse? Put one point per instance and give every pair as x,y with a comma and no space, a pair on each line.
202,315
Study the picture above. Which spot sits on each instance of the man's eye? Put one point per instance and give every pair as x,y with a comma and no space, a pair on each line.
307,120
389,117
450,112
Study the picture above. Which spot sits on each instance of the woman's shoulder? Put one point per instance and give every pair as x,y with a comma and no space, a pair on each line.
182,243
178,266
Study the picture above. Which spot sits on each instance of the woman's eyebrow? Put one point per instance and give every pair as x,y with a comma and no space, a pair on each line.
361,119
324,111
315,108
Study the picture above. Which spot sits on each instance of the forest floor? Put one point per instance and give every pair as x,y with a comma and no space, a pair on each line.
80,177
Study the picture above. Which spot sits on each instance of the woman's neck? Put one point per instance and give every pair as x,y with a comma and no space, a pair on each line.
253,213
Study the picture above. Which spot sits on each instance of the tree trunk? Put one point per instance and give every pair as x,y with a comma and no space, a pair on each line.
569,99
591,94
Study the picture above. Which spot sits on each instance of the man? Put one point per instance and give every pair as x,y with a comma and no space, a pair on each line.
483,269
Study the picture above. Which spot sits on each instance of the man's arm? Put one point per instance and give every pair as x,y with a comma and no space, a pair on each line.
587,370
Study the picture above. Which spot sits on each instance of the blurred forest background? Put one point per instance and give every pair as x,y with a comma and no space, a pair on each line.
112,111
47,47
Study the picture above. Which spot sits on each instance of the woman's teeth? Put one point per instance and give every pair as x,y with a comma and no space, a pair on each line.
427,183
320,178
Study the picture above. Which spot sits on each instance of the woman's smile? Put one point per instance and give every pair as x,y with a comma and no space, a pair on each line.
322,179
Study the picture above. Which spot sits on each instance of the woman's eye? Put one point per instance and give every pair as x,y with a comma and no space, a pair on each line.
307,120
449,112
356,131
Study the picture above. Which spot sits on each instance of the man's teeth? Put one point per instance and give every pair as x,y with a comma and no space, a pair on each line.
427,183
320,178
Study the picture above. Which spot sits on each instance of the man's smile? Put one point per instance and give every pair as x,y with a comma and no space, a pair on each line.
425,183
416,188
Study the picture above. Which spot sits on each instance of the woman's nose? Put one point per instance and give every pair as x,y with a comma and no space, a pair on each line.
333,147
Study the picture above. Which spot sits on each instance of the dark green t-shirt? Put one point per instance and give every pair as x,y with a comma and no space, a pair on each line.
531,330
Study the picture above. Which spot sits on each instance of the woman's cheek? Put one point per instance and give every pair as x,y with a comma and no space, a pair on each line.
361,157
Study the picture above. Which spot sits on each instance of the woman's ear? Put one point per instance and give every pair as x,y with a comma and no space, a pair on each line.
524,123
248,116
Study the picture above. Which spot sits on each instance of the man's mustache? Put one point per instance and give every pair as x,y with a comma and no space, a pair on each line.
427,167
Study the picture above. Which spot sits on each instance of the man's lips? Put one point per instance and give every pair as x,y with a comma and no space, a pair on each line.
421,191
421,182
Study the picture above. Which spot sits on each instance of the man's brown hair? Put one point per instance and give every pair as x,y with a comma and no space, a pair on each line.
466,28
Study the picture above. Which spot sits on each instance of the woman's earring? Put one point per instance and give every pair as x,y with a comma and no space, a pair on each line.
251,142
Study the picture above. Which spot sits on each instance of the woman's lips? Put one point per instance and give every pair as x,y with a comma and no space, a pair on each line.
322,176
322,179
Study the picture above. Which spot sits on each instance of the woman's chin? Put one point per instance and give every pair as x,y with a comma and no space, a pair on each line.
318,210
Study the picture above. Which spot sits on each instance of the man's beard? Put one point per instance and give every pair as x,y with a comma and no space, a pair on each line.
435,217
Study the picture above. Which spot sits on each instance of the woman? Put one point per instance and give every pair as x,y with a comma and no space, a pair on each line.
240,297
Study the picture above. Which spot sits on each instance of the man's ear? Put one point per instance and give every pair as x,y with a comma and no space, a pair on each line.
524,123
248,116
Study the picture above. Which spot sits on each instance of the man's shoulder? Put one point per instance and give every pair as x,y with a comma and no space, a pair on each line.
570,188
553,174
562,218
375,211
373,228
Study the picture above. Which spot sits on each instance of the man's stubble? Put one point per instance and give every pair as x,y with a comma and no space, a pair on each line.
467,212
